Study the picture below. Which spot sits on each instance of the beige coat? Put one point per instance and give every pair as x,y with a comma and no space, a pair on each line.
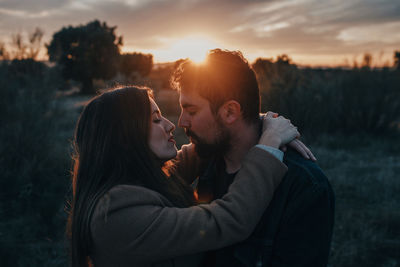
133,225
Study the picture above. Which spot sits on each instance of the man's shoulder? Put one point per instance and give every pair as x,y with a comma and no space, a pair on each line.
303,200
303,185
305,173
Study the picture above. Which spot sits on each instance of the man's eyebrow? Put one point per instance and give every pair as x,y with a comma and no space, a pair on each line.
187,105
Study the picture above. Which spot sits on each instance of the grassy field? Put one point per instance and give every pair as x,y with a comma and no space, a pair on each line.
363,170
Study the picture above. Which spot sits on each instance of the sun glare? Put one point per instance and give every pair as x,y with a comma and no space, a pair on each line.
194,48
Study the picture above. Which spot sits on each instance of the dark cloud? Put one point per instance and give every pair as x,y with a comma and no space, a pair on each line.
313,27
32,6
298,27
360,11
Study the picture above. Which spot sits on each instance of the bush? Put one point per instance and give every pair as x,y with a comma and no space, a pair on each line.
363,171
333,100
33,161
368,100
131,63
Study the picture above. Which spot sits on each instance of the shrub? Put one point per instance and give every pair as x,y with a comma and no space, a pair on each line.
131,63
369,100
332,100
33,161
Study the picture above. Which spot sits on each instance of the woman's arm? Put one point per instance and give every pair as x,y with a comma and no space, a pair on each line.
188,164
139,227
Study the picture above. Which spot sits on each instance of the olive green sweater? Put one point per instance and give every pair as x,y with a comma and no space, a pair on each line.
136,226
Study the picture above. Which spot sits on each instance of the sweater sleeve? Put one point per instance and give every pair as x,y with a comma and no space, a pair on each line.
188,164
139,227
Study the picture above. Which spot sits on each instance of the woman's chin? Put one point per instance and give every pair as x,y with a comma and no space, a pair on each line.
174,154
170,155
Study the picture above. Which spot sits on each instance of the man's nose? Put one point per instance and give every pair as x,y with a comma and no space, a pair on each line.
183,122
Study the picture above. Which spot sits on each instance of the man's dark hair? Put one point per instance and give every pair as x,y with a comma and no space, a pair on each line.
225,75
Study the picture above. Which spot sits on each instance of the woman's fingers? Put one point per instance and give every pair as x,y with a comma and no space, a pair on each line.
299,148
280,131
308,151
289,134
302,149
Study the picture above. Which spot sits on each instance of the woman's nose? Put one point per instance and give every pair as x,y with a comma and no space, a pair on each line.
170,126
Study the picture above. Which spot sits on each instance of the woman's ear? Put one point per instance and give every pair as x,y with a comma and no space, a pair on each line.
230,111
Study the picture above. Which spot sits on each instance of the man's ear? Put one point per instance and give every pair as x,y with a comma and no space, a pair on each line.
230,111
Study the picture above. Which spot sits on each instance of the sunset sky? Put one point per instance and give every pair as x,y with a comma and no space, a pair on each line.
311,32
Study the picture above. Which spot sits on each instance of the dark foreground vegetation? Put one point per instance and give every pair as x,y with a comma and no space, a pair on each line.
34,164
349,117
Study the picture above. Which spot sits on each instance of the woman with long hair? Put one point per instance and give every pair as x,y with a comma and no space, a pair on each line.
129,210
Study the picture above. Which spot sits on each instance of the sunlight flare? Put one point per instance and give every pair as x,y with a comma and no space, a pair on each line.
192,47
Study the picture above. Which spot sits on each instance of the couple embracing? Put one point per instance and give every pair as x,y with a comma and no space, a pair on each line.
231,197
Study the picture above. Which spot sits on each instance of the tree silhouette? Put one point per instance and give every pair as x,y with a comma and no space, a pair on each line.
284,59
19,45
397,59
367,61
4,55
136,62
27,50
35,43
86,52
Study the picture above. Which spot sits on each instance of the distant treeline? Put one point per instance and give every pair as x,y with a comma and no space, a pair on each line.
83,53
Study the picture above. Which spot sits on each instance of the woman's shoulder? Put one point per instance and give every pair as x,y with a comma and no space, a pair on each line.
121,216
122,197
125,193
132,192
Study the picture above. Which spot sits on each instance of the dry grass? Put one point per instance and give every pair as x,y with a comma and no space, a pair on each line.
364,172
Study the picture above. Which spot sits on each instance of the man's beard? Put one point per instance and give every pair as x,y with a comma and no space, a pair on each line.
217,148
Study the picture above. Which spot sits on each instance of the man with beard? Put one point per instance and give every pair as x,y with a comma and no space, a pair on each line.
220,108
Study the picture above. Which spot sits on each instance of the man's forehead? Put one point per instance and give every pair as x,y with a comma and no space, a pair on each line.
191,99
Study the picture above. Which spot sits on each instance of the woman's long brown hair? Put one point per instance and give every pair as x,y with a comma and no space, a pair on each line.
111,148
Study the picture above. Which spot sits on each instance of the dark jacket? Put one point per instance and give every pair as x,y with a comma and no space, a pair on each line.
296,228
